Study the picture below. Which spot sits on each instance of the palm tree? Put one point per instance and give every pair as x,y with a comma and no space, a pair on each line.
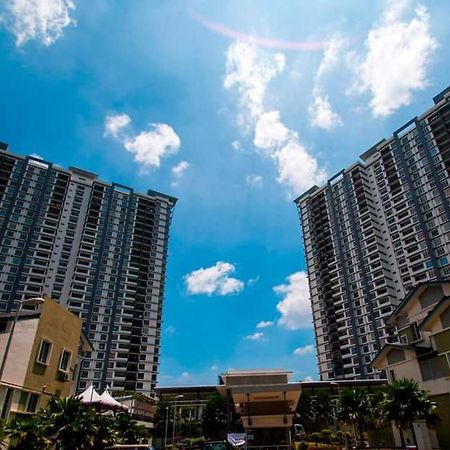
355,409
28,433
127,429
106,434
71,424
405,402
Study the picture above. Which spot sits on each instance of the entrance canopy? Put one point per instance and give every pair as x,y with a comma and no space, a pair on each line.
264,399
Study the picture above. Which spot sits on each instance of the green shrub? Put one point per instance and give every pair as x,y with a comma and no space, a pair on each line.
315,437
326,435
303,445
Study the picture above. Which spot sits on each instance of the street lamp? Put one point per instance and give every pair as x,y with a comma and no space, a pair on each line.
167,424
177,397
28,302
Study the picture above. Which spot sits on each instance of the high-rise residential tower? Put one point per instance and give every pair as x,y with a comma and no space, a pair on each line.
98,248
374,231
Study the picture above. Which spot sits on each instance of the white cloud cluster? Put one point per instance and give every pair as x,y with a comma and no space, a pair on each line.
264,324
297,168
178,172
295,307
398,54
148,147
249,69
114,124
257,336
300,351
321,113
254,180
215,280
237,146
43,20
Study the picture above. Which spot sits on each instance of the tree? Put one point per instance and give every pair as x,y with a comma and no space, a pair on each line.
323,408
128,430
106,434
405,402
71,425
214,417
355,410
28,433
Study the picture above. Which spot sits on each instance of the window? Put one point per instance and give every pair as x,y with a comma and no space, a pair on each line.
64,361
32,403
44,352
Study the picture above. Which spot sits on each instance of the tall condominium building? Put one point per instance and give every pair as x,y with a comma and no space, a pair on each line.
374,231
98,248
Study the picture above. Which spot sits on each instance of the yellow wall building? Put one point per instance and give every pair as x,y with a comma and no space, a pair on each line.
42,359
423,354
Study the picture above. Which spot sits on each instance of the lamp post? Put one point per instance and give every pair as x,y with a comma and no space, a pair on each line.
167,424
28,302
177,397
334,383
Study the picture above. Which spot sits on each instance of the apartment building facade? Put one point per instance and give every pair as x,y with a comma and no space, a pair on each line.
98,248
373,232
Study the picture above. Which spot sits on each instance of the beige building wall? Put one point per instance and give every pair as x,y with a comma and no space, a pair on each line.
62,329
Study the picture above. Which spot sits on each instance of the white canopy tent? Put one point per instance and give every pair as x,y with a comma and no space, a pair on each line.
90,396
105,401
109,402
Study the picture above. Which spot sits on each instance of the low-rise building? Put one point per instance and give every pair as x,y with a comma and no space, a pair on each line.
39,350
422,321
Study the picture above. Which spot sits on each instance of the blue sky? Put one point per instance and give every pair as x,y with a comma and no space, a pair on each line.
235,108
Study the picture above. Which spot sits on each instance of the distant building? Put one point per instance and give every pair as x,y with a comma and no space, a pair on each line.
98,248
422,320
373,232
261,403
43,357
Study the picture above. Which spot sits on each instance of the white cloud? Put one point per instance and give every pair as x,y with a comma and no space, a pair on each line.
257,336
254,180
43,20
250,69
297,168
321,113
185,375
214,368
214,280
270,132
170,330
398,54
149,147
178,172
180,168
253,281
295,307
237,146
308,378
331,57
300,351
264,324
114,124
